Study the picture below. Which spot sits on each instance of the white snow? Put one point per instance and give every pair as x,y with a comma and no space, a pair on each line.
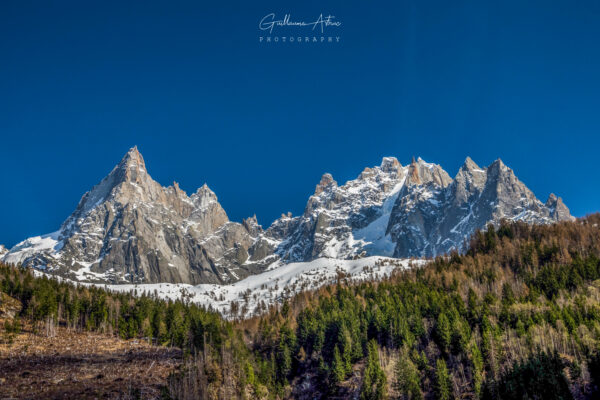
373,236
45,243
271,286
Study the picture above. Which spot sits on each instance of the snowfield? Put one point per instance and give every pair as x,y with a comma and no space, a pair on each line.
33,245
253,295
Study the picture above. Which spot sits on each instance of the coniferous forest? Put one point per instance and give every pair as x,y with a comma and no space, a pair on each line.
516,316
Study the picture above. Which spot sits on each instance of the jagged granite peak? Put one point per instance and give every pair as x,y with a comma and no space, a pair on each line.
421,172
390,164
334,216
469,179
129,228
252,226
469,165
427,221
204,195
327,183
412,211
558,210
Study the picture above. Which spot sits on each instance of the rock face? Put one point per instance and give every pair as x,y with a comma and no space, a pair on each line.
129,228
433,218
411,211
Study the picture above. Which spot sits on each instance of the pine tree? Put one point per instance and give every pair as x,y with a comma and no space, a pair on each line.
443,332
374,383
407,379
443,383
338,368
477,368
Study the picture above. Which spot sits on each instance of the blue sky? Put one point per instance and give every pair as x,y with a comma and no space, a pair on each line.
191,86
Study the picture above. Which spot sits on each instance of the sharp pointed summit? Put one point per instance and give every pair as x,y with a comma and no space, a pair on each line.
132,163
326,183
469,165
129,228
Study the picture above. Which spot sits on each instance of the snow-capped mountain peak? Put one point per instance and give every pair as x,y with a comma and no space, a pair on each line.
129,228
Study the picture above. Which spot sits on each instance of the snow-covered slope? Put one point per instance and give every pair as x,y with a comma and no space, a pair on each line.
252,295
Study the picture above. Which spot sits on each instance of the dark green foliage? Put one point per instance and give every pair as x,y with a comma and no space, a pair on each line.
443,335
338,368
539,377
443,382
374,382
285,347
407,378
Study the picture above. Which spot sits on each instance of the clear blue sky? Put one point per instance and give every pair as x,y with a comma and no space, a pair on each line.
190,84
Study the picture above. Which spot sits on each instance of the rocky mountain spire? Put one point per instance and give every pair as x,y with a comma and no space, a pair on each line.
421,172
127,182
327,182
252,226
131,166
558,210
204,196
129,228
413,176
469,181
390,164
469,165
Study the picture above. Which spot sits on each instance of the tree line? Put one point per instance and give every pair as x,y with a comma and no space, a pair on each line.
516,316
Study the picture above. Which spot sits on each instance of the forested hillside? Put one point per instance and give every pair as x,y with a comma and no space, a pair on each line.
517,316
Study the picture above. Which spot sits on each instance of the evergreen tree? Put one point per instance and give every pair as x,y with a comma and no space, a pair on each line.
374,382
407,379
338,368
443,332
443,382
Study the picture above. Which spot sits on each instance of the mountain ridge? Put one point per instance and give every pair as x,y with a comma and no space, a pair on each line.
130,229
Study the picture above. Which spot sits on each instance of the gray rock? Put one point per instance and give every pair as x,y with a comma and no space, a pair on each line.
412,211
129,228
432,219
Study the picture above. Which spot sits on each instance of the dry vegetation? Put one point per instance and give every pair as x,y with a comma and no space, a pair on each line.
82,365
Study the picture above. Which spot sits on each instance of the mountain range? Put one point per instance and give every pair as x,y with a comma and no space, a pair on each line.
130,229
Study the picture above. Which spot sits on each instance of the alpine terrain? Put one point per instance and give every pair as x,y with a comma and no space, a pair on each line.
130,229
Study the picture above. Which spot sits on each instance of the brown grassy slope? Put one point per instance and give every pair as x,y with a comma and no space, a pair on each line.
82,365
